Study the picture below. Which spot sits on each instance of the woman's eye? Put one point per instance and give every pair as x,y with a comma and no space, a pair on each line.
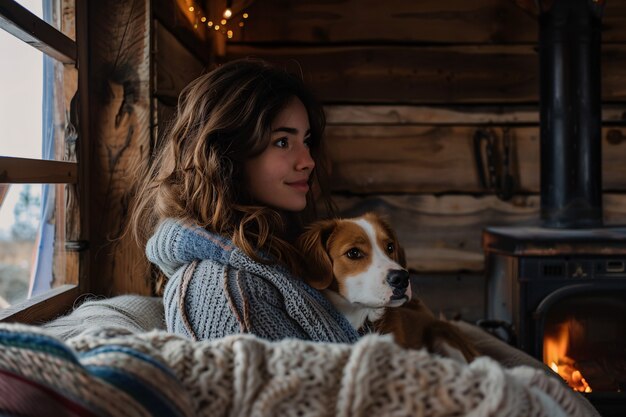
308,142
390,247
354,253
281,143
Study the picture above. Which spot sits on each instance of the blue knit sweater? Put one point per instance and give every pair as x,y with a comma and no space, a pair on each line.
215,289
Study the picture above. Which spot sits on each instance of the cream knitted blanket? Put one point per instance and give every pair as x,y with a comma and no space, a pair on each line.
246,376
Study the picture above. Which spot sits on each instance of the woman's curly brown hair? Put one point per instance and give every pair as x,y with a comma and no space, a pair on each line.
224,118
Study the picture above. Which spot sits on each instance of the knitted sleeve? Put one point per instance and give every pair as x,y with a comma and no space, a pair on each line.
260,308
207,300
195,304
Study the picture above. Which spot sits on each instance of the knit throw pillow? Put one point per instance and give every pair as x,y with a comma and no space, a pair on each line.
41,376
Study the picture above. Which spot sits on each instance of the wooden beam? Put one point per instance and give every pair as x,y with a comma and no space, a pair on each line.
517,115
119,84
425,22
436,159
484,74
24,25
37,171
42,308
393,21
79,222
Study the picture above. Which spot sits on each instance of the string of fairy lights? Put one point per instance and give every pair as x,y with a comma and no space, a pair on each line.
224,23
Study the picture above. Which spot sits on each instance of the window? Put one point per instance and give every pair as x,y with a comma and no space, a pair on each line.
43,148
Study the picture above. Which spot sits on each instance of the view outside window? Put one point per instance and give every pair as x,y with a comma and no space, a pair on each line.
20,215
21,100
36,124
21,83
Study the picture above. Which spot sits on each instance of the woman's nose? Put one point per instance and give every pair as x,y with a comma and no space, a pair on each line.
304,160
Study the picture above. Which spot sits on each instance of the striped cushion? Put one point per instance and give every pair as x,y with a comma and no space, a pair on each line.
41,376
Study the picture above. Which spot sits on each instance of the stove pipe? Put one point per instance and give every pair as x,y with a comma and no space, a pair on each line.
570,114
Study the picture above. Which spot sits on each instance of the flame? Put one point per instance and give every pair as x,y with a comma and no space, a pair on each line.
555,347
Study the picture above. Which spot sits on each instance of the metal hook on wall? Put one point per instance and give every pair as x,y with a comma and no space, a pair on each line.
496,173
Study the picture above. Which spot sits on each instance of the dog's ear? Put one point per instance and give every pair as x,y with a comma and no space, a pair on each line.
312,246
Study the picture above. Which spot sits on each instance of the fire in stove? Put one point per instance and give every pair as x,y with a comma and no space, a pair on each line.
584,341
555,353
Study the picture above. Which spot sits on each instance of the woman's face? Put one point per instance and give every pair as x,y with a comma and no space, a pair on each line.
278,177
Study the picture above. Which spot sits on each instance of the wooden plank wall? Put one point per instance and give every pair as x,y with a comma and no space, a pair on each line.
119,88
143,53
406,85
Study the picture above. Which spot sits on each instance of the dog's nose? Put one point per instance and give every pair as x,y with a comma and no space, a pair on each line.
398,278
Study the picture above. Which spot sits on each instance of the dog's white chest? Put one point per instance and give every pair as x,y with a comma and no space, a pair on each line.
356,315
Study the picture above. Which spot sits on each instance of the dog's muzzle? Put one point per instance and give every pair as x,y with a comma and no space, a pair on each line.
398,279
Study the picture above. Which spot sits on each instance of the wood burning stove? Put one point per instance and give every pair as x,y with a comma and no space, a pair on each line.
561,285
563,294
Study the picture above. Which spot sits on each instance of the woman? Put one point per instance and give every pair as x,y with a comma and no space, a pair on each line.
228,192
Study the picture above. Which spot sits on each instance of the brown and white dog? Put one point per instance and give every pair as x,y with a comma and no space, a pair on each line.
361,269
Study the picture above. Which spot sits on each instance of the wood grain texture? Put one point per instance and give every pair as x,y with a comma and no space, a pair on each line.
82,193
37,171
20,22
66,265
174,65
442,234
427,74
423,21
42,308
357,114
120,101
436,159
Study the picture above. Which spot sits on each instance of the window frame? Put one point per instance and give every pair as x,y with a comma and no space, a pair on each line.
21,23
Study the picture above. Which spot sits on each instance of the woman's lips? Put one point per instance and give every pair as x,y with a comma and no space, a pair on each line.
299,185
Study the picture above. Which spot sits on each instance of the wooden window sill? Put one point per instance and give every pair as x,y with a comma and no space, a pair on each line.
42,308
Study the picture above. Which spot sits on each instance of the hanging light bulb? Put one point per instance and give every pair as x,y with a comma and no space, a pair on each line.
209,23
223,22
191,9
245,15
228,12
203,19
229,34
217,27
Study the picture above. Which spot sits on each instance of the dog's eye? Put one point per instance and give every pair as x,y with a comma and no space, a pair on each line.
354,253
390,247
